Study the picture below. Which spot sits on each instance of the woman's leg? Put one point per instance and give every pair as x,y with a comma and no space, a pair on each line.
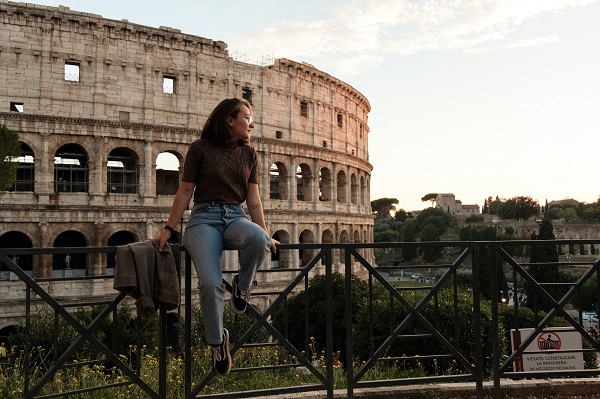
252,242
204,242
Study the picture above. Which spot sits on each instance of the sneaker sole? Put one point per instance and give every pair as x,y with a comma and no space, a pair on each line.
231,302
226,345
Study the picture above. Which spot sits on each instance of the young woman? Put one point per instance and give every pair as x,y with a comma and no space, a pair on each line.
221,172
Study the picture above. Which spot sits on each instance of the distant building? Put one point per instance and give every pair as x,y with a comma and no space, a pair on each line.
449,203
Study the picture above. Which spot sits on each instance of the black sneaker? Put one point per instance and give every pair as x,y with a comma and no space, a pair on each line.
221,356
239,298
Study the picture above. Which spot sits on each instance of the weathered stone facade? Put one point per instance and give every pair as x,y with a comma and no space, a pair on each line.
96,101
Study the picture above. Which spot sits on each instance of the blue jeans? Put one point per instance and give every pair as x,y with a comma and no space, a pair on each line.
210,228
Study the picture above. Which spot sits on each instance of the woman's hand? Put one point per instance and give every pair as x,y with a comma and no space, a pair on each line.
274,244
161,239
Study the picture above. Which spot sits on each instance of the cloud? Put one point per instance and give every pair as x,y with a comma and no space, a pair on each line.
358,35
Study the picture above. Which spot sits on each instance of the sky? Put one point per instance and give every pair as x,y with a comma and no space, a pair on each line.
477,98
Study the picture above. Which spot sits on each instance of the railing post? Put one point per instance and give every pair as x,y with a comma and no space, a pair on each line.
188,326
348,317
477,320
162,353
495,320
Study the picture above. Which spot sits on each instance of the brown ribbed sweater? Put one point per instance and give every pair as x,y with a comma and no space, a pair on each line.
221,172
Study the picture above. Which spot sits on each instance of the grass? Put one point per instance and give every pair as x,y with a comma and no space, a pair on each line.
76,377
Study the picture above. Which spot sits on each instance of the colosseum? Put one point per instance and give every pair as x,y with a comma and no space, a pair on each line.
106,109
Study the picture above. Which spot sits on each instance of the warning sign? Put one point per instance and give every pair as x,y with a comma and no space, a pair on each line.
553,349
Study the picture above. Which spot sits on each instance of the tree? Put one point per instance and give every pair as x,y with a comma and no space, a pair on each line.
588,296
436,216
549,272
515,208
383,207
568,214
431,233
430,197
9,150
387,236
487,233
400,215
409,234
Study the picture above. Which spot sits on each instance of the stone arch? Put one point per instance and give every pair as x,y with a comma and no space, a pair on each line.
278,178
17,239
325,184
353,189
71,170
356,239
25,175
76,263
5,333
344,239
168,167
363,190
341,187
306,255
122,237
281,259
304,182
122,174
327,237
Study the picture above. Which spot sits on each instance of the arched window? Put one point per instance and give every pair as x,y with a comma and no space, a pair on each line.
278,179
167,174
303,183
326,238
306,255
353,189
344,239
363,190
281,259
16,239
25,170
76,263
70,169
324,185
122,237
122,173
341,187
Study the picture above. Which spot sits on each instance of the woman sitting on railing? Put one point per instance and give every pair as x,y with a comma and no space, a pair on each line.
221,171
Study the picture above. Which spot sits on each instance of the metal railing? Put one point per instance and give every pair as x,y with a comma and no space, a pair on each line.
403,306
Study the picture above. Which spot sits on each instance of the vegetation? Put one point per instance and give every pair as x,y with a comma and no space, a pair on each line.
519,208
9,150
430,197
383,206
486,233
548,272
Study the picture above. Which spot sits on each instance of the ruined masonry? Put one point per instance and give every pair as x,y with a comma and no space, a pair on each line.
98,104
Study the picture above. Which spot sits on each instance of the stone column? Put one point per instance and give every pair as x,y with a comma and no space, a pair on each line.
148,167
97,262
45,174
96,167
293,183
43,267
315,183
334,195
295,252
265,183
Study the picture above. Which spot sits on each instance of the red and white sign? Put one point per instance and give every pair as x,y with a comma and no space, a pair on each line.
550,350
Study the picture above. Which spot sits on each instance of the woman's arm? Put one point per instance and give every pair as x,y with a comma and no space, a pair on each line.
257,214
180,204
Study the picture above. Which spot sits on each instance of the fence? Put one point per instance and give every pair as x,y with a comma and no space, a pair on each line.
401,323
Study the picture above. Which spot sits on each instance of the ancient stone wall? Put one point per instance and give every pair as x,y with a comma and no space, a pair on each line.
95,102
